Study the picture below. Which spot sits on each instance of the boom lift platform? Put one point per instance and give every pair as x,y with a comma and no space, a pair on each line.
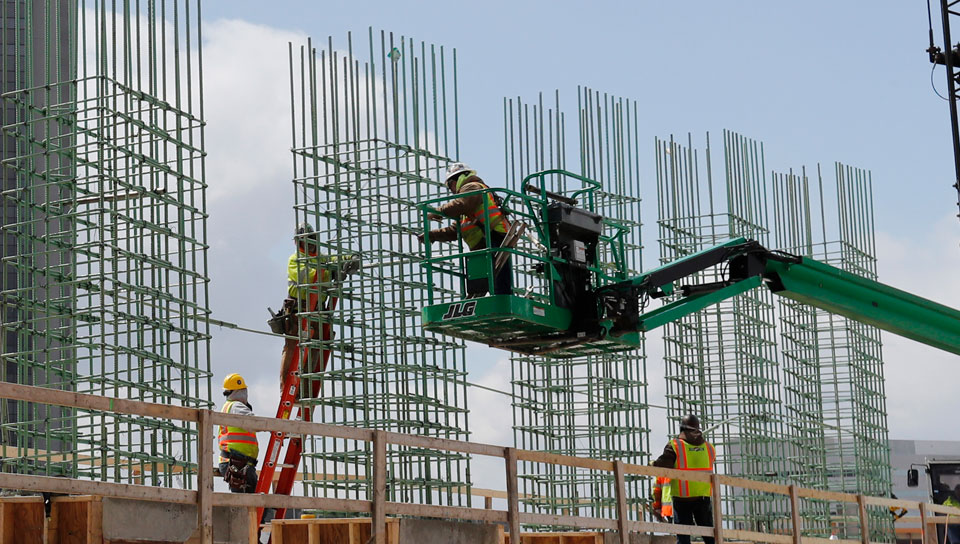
577,298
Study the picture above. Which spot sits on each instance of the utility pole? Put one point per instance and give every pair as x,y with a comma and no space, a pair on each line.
950,58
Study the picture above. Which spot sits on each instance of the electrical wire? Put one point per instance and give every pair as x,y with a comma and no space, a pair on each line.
234,326
931,50
933,84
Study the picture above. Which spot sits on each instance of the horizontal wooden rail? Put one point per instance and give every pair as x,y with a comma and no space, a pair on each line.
88,487
56,397
206,499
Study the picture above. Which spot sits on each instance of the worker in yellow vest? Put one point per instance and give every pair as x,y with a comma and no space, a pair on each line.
306,278
239,449
691,499
309,273
471,212
953,528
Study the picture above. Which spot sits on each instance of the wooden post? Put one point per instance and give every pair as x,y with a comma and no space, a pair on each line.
379,487
717,509
488,503
513,497
205,477
623,519
795,514
923,524
864,521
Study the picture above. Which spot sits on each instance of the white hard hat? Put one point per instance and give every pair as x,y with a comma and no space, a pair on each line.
455,169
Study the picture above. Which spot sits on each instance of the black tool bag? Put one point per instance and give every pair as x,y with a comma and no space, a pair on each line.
284,321
236,475
238,471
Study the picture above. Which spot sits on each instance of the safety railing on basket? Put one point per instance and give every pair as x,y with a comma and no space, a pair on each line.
528,247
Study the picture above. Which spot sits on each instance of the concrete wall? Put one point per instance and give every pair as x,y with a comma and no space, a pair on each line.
134,521
640,538
421,531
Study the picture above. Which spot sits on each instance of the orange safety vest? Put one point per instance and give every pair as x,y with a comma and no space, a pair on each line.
237,439
699,458
471,226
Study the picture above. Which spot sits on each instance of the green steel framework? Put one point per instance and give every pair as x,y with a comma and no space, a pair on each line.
104,286
721,363
833,366
371,139
103,282
593,405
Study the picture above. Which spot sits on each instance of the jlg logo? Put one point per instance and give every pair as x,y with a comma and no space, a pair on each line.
460,309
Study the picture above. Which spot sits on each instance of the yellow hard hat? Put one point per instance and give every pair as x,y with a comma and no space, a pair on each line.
234,382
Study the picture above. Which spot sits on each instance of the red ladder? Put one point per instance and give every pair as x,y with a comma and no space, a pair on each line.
291,460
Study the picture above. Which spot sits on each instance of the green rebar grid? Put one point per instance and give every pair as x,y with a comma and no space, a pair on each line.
104,272
833,366
721,363
371,139
593,406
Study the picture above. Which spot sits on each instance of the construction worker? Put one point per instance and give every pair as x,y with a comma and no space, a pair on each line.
470,212
238,447
691,499
308,274
953,528
662,500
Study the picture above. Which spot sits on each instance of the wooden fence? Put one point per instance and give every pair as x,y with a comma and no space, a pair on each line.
205,497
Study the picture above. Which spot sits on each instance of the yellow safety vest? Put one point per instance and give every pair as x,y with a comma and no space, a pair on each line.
471,226
302,275
237,439
951,501
699,458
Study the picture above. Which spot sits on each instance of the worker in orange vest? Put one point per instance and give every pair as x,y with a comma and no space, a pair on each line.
691,499
471,213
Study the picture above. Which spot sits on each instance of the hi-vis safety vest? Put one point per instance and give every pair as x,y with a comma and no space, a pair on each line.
302,272
237,439
471,226
666,499
689,457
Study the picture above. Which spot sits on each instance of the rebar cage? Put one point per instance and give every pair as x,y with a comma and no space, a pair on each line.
104,281
367,147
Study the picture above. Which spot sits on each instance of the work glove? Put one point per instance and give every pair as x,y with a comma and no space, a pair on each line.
422,238
350,266
435,217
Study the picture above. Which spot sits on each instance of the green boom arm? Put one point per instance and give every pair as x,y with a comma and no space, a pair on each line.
798,278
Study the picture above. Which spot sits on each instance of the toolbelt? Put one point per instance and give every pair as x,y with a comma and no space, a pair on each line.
285,320
238,470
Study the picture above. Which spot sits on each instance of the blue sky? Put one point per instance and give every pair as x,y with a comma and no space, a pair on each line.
818,81
815,81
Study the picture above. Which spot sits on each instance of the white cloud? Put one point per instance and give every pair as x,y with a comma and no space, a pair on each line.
246,85
491,413
921,380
